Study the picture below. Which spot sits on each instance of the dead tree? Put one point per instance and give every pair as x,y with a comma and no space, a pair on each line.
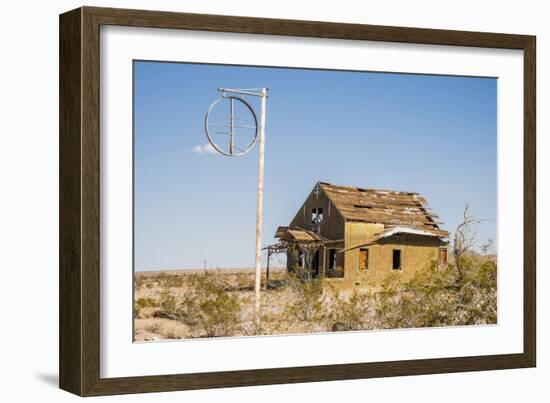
488,246
464,239
304,253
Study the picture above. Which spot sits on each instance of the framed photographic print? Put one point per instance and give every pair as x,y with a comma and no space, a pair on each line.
249,201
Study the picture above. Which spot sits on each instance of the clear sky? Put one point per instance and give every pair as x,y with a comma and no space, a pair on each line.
435,135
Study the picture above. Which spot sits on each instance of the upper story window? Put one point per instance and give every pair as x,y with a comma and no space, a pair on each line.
317,215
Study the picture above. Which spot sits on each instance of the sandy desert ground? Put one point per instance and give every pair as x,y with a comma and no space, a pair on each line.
219,303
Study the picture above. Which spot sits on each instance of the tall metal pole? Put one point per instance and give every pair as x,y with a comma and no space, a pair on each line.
259,209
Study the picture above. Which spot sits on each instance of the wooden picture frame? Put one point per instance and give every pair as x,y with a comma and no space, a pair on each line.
79,346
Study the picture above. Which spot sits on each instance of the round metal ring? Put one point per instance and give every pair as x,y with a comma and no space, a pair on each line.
207,130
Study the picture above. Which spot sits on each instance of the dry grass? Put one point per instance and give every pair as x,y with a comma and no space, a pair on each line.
192,304
161,297
151,328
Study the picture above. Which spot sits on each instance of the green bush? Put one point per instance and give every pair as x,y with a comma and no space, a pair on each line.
146,302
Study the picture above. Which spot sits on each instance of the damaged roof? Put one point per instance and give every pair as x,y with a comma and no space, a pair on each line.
298,234
388,207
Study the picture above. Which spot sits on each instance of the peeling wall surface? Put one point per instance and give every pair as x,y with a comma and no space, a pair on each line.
356,233
332,226
417,253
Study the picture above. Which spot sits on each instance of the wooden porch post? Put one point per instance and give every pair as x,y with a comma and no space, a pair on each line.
267,268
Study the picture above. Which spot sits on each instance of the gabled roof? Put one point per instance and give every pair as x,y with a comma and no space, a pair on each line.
388,207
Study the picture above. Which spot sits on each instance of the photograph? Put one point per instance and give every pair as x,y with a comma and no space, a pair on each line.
275,201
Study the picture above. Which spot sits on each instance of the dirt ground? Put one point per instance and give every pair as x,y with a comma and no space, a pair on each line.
220,303
153,321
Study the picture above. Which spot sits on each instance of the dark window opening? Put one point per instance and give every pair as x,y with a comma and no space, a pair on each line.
334,260
363,259
396,264
331,259
315,263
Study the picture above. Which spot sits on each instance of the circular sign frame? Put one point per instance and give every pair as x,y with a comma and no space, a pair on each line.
207,124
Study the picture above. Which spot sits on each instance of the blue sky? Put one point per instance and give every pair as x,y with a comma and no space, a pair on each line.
431,134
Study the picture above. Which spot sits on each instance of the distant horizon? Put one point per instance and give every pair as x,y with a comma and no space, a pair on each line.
434,135
202,270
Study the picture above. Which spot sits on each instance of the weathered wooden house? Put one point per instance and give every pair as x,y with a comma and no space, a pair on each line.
355,237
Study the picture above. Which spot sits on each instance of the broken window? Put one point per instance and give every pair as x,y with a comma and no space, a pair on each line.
396,261
442,258
316,215
363,259
315,263
334,265
301,258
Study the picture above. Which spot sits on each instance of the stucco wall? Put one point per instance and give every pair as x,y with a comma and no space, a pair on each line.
417,253
355,234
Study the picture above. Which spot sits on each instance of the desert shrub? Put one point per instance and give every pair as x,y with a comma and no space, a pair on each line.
141,303
157,278
477,296
146,302
440,297
208,306
168,303
411,304
139,281
308,298
167,280
354,312
137,311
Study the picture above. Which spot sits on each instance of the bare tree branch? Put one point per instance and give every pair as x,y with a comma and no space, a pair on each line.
465,238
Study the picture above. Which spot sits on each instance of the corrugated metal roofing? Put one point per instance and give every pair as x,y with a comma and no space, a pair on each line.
393,231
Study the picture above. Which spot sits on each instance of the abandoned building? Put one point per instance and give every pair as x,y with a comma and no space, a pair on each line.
355,237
